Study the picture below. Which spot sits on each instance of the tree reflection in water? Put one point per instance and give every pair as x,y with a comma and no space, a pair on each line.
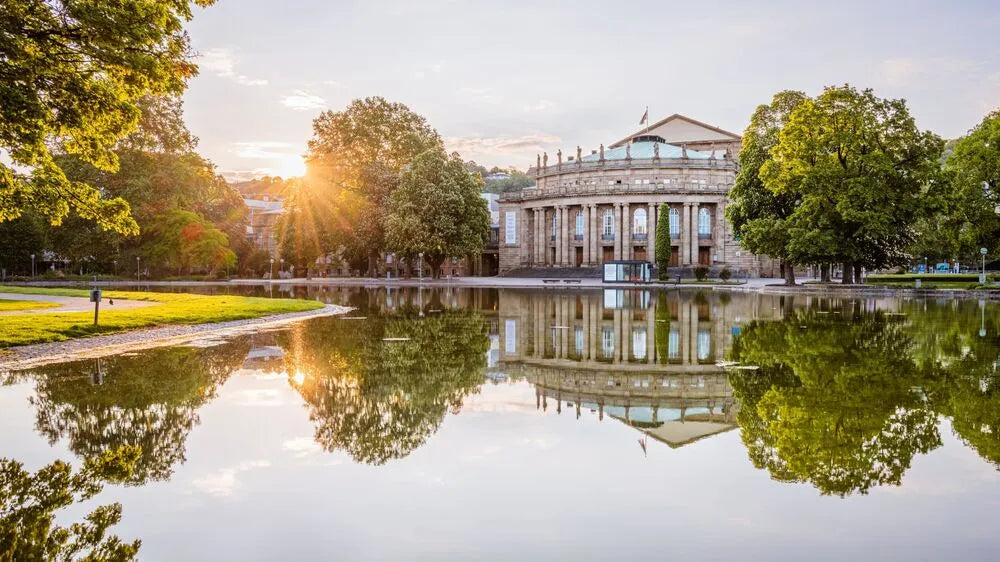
379,400
149,401
844,399
29,502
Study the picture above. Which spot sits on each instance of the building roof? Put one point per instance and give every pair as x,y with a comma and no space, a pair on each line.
645,149
263,205
712,133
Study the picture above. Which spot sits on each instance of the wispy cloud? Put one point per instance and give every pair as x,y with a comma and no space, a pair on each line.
519,145
223,482
222,62
264,149
540,105
301,100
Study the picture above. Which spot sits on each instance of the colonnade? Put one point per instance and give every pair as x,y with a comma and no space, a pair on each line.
567,247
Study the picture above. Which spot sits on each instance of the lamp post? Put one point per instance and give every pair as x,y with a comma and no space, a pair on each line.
421,266
281,267
138,277
116,267
982,275
925,265
32,266
270,271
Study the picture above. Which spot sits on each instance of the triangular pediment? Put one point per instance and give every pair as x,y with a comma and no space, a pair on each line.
679,129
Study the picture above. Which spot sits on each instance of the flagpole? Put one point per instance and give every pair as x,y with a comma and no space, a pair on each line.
647,120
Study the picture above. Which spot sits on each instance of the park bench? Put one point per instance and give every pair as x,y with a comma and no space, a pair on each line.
550,281
567,281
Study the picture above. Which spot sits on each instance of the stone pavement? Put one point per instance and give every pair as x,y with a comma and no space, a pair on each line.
68,304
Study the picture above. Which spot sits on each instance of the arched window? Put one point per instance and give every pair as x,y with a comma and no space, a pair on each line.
639,222
675,223
555,225
609,222
579,225
704,222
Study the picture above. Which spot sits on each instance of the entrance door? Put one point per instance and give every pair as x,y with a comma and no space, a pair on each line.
552,256
705,256
640,253
675,256
579,256
608,253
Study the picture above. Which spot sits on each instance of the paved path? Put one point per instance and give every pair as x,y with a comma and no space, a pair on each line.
24,356
68,304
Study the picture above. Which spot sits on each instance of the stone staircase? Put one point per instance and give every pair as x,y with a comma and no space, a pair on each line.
555,273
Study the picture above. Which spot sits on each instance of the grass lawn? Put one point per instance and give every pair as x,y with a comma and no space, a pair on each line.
7,305
170,308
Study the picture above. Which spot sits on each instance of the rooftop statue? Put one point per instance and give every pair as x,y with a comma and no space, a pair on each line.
545,159
602,151
579,153
684,151
559,156
538,160
628,151
656,150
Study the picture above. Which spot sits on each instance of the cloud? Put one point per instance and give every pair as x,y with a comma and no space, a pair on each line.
900,71
222,62
264,149
501,145
302,100
223,482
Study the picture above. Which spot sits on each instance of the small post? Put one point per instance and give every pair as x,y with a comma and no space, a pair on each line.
95,297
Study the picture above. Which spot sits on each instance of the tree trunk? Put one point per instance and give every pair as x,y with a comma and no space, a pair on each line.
824,272
848,277
858,271
789,273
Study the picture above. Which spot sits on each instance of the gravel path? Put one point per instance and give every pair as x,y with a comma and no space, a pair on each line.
68,304
24,356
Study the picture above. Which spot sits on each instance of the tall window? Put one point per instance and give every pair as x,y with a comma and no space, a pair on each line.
607,342
639,222
578,339
674,343
675,223
609,222
704,343
704,222
639,343
579,224
555,225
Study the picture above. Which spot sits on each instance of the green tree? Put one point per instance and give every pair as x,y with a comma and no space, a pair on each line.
71,74
184,242
862,175
29,502
834,399
21,238
437,210
969,219
353,155
758,214
380,400
147,402
663,248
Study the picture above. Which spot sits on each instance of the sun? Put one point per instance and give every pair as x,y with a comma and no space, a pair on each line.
290,166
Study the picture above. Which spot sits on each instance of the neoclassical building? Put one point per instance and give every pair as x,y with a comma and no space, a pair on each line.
586,209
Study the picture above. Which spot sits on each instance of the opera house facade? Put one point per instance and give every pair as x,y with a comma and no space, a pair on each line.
587,209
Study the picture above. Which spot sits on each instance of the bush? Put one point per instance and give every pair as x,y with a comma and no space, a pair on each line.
725,274
701,273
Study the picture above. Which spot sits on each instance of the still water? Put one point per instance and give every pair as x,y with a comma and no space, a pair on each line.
533,425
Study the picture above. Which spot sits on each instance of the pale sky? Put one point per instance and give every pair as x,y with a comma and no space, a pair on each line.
502,81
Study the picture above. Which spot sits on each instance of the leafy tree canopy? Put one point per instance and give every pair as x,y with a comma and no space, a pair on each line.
71,75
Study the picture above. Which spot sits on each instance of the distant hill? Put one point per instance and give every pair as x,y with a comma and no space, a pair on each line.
270,188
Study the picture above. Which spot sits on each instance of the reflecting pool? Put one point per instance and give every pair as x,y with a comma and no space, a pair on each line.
493,424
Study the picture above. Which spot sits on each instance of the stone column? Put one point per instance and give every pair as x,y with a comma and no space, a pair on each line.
651,235
618,230
567,260
685,234
616,358
585,352
626,231
586,234
719,234
594,327
693,333
651,331
626,344
534,236
694,234
595,235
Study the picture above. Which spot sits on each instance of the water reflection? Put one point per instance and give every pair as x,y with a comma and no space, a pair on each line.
839,394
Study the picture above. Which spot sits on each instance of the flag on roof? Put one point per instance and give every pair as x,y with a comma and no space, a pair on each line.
645,117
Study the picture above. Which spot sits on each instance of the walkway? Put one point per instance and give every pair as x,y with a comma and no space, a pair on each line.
67,304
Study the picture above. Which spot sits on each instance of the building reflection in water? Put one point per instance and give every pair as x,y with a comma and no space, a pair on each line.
651,360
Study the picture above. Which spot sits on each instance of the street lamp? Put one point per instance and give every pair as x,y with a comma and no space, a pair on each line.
116,267
270,271
281,267
421,266
982,275
925,265
32,266
138,278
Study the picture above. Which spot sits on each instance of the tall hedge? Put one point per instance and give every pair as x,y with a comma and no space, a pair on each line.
663,241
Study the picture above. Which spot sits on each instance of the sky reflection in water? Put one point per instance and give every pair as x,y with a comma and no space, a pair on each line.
531,425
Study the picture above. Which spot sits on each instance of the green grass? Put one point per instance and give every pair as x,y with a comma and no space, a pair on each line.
926,277
170,308
7,305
